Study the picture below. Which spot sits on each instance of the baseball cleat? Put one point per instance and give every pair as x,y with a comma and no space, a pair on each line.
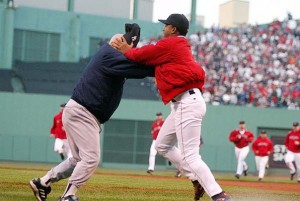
178,174
221,197
40,192
292,176
199,190
237,176
245,172
150,172
69,198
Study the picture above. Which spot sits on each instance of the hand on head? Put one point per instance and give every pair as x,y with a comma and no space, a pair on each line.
119,43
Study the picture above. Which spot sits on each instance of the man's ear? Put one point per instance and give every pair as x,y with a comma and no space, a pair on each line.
174,30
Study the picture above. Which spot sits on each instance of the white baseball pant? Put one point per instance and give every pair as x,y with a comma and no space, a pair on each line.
184,125
241,154
289,158
82,130
261,162
61,146
152,156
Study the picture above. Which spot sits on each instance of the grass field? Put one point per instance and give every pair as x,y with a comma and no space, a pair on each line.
136,185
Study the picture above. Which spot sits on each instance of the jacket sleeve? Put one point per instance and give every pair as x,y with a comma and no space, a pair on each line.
152,55
52,130
271,147
254,148
114,63
286,141
233,137
250,137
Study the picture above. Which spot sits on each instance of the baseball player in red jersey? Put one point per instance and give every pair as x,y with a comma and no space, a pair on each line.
179,80
157,124
262,148
241,138
292,143
58,132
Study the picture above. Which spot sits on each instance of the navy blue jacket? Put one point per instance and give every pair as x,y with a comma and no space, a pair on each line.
100,87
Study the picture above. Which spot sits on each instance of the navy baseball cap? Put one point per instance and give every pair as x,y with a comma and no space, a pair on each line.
263,132
295,123
158,114
179,21
63,105
242,122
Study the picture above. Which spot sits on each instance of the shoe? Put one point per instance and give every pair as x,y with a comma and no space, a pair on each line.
245,172
221,197
292,176
40,191
178,174
237,176
150,172
69,198
199,190
259,179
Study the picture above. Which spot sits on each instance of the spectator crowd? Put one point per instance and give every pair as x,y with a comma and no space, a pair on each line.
252,65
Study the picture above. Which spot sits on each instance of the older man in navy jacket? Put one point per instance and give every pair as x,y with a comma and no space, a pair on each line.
95,98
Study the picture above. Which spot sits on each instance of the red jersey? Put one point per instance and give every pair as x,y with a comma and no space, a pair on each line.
243,140
290,141
155,129
176,70
262,146
57,127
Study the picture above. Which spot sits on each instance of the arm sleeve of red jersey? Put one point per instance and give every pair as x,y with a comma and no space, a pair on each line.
250,137
271,147
152,55
233,137
52,130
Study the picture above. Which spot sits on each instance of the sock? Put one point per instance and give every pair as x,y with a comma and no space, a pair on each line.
46,180
70,190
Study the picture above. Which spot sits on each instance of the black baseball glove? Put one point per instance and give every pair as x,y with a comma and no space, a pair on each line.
132,34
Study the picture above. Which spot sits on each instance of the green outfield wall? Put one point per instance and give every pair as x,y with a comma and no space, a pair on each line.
25,121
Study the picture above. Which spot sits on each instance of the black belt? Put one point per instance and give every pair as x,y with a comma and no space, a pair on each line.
191,91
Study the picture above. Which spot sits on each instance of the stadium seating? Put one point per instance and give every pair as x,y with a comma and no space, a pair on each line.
5,80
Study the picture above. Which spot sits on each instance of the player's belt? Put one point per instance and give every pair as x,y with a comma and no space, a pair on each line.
191,91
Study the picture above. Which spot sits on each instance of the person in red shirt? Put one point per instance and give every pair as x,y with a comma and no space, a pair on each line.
157,124
58,132
292,143
179,81
262,147
241,138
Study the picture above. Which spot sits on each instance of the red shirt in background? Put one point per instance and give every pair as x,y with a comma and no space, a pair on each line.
57,127
262,146
155,129
290,141
243,141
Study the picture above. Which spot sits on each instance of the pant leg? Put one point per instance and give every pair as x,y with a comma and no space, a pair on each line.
297,162
257,163
166,141
58,146
82,130
188,116
152,156
241,160
289,158
262,166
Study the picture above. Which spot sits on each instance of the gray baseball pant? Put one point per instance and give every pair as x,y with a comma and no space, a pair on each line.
83,131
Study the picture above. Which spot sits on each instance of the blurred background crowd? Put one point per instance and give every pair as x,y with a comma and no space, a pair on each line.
255,66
